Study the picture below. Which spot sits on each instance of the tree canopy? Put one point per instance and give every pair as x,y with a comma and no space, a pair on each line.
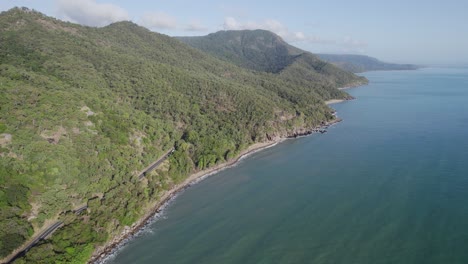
83,110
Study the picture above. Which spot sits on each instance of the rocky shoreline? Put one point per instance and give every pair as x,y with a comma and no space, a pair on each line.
103,252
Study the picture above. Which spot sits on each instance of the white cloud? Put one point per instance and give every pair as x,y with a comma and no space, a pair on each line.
195,26
299,36
281,30
91,13
158,20
272,25
231,23
275,26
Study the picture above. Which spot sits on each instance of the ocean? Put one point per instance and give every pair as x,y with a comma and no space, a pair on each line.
389,184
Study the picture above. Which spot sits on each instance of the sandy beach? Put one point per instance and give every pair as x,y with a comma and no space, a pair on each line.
334,101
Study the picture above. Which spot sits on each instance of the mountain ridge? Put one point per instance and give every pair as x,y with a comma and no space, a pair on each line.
362,63
236,44
84,109
264,51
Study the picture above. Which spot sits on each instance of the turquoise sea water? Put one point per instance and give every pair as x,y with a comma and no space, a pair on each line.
389,184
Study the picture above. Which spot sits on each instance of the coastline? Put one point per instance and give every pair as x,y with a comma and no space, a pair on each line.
337,101
354,85
334,101
348,87
101,253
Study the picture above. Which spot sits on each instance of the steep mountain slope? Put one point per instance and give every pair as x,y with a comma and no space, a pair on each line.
263,50
361,63
83,110
259,50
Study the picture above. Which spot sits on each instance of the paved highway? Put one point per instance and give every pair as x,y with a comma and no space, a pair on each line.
81,209
57,224
31,244
155,164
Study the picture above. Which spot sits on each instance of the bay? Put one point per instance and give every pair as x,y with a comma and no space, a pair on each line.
389,184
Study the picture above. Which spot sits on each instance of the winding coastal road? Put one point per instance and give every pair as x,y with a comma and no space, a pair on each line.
81,209
155,164
31,244
57,224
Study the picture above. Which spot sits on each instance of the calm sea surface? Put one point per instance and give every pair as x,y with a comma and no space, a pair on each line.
389,184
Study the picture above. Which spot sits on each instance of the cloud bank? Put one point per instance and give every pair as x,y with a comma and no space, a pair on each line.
91,13
158,20
272,25
195,25
348,43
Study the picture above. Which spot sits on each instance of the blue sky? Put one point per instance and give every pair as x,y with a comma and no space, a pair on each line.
423,32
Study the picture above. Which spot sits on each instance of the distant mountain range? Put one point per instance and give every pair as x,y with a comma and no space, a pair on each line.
362,63
264,51
254,49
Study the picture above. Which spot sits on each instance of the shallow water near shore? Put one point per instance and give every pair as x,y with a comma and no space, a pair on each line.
389,184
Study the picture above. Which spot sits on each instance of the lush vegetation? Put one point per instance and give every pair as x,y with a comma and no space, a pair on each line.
255,49
361,63
265,51
83,110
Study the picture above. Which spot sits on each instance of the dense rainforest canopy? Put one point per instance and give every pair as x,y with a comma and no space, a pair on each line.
265,51
83,110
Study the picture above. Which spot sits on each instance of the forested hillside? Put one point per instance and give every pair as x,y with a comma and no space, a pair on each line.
255,49
265,51
83,110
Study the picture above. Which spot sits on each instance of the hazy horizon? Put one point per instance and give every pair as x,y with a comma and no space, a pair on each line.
424,33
